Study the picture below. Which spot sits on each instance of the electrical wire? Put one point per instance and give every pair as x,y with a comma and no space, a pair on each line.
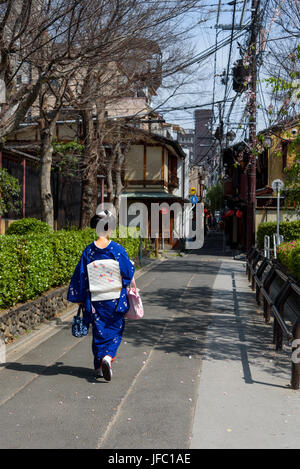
215,64
210,51
229,59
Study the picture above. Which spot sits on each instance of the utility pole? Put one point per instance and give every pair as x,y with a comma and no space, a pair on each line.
221,134
251,209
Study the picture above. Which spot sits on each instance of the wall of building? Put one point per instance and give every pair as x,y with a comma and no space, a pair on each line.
277,160
127,107
66,193
178,191
203,136
270,215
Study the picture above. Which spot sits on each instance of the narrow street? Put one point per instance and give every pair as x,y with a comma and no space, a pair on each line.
150,124
198,370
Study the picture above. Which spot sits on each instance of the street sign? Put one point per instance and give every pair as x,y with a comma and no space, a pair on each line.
194,199
193,191
277,185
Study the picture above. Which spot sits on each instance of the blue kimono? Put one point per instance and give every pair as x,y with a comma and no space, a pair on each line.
99,281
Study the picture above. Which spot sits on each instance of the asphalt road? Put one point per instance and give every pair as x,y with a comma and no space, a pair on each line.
49,397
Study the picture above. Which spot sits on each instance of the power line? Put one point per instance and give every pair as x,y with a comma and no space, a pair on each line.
229,58
215,63
182,108
211,50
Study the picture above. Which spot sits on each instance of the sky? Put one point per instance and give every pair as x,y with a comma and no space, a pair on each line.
200,90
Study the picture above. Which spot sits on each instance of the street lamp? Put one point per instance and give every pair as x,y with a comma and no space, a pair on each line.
277,186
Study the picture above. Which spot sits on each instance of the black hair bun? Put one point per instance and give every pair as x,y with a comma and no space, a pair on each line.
94,221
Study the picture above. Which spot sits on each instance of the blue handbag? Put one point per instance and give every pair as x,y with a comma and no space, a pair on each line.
79,328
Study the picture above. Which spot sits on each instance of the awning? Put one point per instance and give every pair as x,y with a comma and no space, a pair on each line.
153,195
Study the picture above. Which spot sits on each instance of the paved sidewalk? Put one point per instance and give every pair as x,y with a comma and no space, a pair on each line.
199,371
49,397
244,400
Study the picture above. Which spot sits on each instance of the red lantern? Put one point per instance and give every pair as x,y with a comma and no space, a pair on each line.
205,210
239,214
229,213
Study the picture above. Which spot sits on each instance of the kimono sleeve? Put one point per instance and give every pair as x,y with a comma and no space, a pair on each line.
126,268
79,288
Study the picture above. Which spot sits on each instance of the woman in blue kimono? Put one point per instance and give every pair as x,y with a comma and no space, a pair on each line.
99,283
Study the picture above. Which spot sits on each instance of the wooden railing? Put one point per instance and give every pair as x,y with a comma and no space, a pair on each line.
280,294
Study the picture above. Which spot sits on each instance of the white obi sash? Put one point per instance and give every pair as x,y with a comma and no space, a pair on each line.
104,279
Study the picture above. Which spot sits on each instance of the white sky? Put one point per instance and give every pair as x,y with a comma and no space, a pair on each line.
201,90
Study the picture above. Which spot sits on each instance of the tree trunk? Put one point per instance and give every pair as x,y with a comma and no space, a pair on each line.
109,178
90,171
47,135
118,171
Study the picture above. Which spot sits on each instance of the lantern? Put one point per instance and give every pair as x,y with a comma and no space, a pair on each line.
229,213
164,210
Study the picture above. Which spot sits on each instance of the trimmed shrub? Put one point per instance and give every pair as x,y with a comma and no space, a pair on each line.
289,231
36,259
67,247
32,264
289,256
11,275
296,262
26,226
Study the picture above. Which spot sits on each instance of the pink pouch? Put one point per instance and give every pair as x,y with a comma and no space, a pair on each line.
136,310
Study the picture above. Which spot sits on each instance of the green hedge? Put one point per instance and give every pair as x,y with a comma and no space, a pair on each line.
289,256
11,276
32,264
289,231
26,226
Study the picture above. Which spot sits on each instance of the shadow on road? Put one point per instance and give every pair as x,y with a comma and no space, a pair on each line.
56,369
184,331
